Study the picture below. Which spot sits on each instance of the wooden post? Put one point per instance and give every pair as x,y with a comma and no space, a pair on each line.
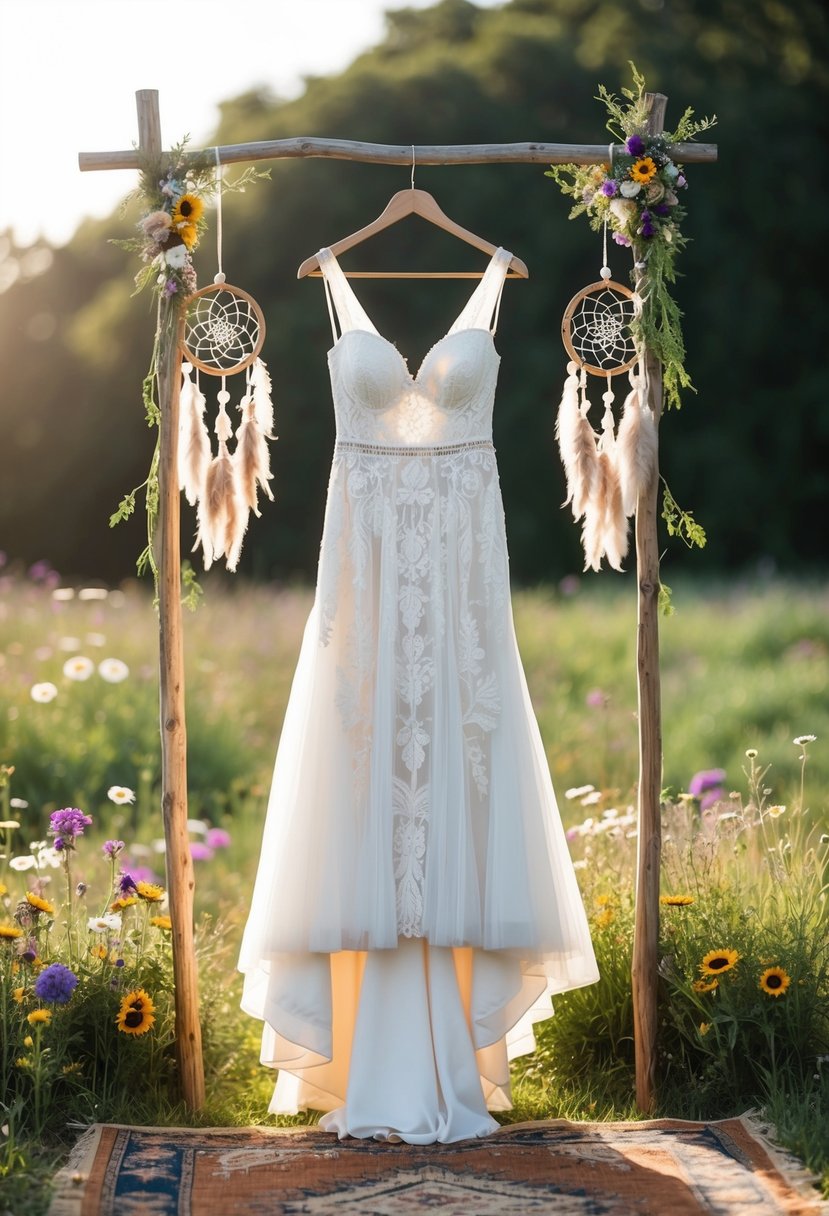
180,875
646,927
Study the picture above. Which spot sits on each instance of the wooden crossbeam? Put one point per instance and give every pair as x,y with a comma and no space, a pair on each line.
399,154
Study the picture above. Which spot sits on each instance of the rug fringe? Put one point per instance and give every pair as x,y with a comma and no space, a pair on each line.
796,1174
70,1180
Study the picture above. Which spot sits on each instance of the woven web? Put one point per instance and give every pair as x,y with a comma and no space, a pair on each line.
600,329
221,329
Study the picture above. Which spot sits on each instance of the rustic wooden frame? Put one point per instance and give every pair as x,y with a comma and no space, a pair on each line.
173,737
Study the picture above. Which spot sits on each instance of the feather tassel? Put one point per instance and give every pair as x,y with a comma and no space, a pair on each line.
194,441
637,449
260,381
614,520
577,446
251,458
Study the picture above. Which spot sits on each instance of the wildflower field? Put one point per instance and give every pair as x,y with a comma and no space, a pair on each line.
85,969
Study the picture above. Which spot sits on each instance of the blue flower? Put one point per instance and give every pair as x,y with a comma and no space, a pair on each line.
56,983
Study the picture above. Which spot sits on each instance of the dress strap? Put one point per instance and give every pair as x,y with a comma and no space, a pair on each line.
343,306
481,311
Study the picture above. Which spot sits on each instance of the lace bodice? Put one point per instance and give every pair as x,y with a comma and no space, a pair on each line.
449,400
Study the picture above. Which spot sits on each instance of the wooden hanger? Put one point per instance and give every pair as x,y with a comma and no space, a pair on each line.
412,202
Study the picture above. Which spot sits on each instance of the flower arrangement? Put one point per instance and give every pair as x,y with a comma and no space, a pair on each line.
172,192
640,198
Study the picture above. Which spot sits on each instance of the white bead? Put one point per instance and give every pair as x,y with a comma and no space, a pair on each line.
605,272
223,396
220,277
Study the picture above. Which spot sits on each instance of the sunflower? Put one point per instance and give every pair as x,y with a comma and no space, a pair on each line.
123,901
39,1015
676,901
150,892
136,1013
189,210
705,985
39,904
717,961
643,170
10,931
774,981
161,922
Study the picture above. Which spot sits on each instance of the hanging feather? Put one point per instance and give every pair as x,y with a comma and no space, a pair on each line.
251,457
194,441
577,445
260,382
636,448
614,520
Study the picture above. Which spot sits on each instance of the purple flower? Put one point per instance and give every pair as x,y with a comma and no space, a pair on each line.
635,145
621,239
200,852
708,786
39,571
609,187
170,287
126,883
119,962
56,984
143,874
661,208
647,228
681,181
217,838
66,825
111,848
58,844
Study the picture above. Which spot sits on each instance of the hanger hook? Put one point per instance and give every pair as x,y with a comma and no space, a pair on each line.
413,165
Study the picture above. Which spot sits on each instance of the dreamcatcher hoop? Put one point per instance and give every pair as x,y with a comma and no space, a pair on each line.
595,328
224,329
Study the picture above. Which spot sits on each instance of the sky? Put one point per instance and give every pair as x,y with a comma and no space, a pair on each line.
69,71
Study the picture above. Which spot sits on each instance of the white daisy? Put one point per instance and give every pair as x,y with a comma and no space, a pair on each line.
100,924
79,668
578,791
69,643
120,794
22,863
113,670
96,639
44,693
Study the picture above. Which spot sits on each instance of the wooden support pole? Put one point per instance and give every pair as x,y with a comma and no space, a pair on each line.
180,875
646,926
398,154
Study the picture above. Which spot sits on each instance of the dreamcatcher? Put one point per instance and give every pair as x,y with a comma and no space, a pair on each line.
605,472
224,331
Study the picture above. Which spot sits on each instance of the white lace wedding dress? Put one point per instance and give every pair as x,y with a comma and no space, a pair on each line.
415,905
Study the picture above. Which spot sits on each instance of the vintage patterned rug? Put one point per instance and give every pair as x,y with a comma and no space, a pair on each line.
664,1167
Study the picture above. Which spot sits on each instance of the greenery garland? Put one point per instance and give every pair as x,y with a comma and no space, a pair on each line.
172,190
639,197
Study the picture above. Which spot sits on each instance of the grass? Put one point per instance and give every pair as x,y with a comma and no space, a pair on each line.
742,669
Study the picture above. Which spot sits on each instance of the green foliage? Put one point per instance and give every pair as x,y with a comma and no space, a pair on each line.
681,523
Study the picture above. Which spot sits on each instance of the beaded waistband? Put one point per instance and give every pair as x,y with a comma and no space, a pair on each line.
412,449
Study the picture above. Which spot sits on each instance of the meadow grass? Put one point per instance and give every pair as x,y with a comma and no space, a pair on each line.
743,669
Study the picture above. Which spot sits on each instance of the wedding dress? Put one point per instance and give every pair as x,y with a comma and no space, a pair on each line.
415,905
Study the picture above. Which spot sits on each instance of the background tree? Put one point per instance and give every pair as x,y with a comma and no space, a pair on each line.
748,454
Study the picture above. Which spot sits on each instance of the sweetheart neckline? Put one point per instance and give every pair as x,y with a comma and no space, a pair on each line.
373,333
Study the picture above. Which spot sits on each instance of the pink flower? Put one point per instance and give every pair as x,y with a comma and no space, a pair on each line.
217,838
199,851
